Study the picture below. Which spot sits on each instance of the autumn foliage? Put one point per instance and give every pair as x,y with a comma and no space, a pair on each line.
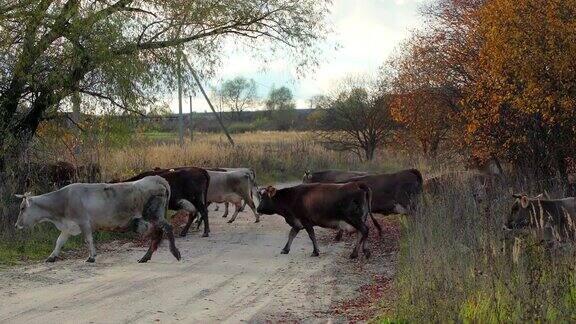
496,78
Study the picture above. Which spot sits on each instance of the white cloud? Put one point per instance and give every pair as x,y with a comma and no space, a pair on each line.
367,31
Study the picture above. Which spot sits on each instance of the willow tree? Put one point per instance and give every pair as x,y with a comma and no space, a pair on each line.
123,52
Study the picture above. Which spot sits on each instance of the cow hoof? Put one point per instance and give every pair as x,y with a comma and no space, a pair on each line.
285,251
230,221
257,220
367,254
182,234
205,235
353,255
51,259
315,254
177,255
143,260
90,260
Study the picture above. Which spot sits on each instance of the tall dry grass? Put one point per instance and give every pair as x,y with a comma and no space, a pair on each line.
275,156
457,264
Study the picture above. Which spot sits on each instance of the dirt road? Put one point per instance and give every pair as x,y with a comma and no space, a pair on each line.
237,274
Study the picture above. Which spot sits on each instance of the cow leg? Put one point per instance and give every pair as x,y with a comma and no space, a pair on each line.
62,238
236,210
293,232
168,230
338,236
361,239
155,239
252,206
186,228
225,210
191,210
312,235
243,206
91,248
204,215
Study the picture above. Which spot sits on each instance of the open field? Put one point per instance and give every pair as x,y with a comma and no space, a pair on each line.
275,156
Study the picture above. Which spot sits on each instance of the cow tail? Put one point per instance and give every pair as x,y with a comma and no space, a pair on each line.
206,188
368,193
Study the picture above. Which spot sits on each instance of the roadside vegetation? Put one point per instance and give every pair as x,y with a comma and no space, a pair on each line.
457,264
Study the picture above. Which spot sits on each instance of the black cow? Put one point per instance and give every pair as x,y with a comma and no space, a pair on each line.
189,192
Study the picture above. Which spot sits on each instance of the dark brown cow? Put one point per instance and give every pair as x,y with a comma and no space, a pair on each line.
338,206
59,174
392,193
330,176
189,192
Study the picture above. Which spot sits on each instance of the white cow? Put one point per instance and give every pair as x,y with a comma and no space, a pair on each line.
86,207
254,186
232,187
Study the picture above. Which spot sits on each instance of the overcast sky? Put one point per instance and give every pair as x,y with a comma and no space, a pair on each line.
367,32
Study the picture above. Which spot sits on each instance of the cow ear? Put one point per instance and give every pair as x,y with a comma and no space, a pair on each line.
518,196
19,196
271,191
524,202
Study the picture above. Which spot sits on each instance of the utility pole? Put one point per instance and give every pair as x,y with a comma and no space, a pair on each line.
191,122
180,114
195,76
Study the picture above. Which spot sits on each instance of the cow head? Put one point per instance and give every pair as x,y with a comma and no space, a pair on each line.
521,213
28,211
266,205
307,176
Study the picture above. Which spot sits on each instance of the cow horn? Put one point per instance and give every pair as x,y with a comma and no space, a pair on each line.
516,195
25,195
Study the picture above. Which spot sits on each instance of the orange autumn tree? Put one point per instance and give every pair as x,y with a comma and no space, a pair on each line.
522,103
430,71
511,72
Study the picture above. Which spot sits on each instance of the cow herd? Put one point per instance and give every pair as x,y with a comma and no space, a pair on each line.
340,200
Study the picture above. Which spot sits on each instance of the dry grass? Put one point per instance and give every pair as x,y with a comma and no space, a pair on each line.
456,265
276,156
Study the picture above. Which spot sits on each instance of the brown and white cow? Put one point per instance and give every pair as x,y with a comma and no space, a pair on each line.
337,206
139,206
330,176
556,218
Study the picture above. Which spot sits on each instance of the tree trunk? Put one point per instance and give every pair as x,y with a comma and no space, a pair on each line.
369,152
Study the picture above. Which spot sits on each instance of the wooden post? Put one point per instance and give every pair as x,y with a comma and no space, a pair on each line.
180,114
191,121
195,76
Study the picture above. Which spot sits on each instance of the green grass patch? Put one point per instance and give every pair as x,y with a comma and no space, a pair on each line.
37,244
